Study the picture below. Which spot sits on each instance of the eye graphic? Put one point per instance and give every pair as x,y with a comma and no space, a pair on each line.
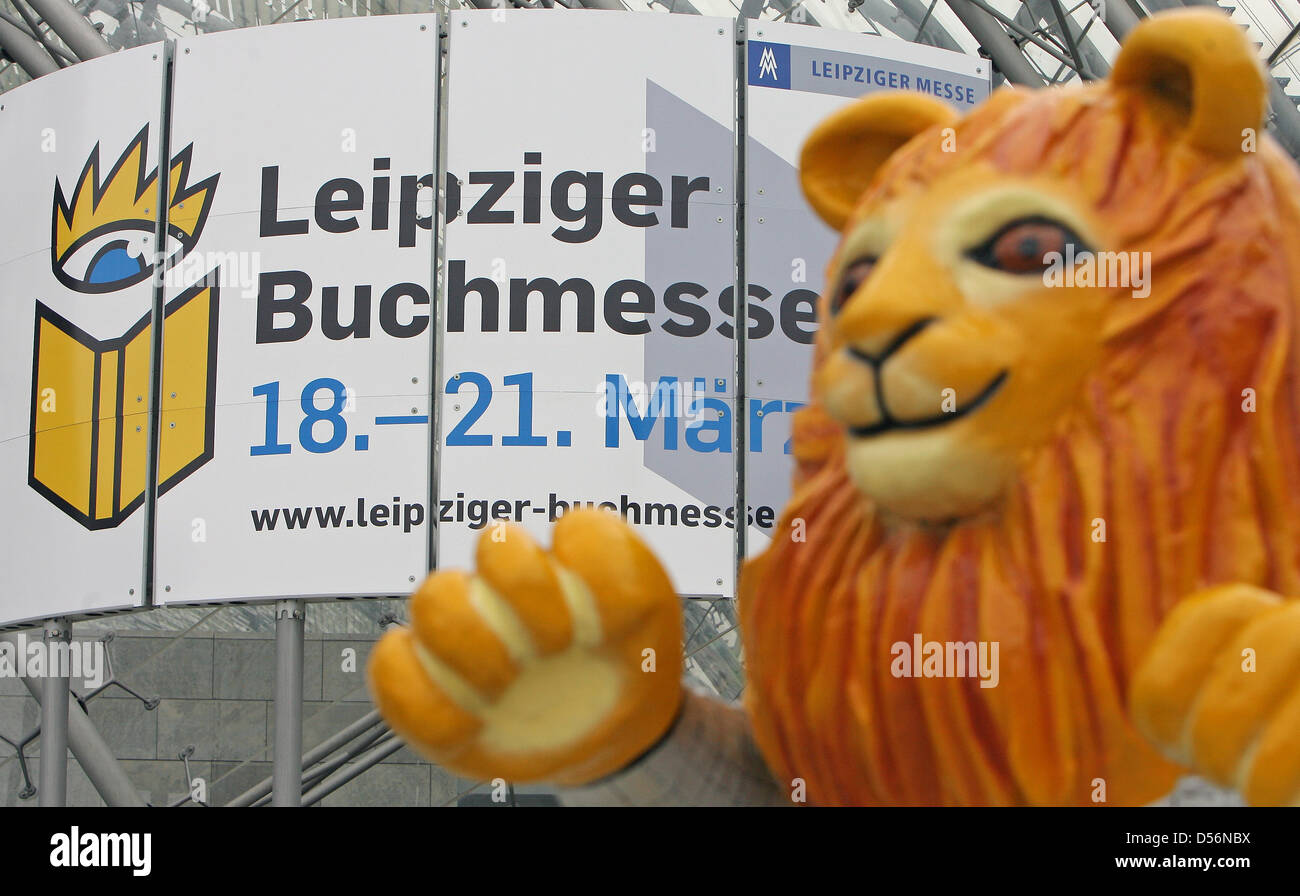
1026,246
114,258
854,276
102,234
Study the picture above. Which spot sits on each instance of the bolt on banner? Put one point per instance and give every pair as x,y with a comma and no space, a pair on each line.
587,346
77,255
795,77
303,307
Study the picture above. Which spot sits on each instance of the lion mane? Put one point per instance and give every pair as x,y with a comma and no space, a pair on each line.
1181,445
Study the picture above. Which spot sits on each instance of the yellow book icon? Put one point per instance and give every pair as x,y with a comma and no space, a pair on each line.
90,408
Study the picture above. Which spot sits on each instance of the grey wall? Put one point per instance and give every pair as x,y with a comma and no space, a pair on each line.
214,670
216,691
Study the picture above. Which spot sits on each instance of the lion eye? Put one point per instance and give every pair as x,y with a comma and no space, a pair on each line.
1026,246
854,276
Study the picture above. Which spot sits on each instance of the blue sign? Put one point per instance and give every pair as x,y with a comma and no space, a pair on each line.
769,64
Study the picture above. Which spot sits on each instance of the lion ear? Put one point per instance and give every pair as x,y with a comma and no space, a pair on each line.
844,152
1196,69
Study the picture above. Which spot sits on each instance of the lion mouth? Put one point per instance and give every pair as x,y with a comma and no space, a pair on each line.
889,423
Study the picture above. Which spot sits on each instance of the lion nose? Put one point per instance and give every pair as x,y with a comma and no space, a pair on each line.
877,348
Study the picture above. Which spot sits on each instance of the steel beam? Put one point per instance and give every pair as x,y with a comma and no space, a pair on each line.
378,754
46,39
1090,56
914,12
73,28
1001,49
1068,36
1029,34
312,756
24,50
93,755
1282,46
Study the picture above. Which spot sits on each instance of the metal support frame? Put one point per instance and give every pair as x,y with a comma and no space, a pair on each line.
1068,36
25,50
55,690
384,749
379,734
995,41
286,768
34,25
72,27
362,725
1283,45
1014,30
94,757
92,753
920,14
1040,17
740,345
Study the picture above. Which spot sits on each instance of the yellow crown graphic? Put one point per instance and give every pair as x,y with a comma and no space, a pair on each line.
101,238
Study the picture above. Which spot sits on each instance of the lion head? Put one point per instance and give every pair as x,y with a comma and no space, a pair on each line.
1055,390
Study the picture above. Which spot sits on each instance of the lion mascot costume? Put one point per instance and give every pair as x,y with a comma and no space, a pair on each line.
1102,283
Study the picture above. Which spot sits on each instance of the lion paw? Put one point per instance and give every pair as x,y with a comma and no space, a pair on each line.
1219,691
562,665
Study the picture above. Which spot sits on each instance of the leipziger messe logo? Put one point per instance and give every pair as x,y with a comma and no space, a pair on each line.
769,64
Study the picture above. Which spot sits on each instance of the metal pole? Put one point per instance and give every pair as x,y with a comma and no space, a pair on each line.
25,51
313,776
1282,47
1001,48
314,755
94,756
929,30
74,28
1065,21
286,769
338,779
1012,26
54,714
1119,19
35,26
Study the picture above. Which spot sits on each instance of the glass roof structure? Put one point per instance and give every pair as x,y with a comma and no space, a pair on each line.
1033,28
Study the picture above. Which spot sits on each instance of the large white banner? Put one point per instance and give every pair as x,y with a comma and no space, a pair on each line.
588,351
296,362
796,76
585,320
79,186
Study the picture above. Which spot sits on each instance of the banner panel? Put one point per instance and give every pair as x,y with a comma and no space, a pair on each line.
588,349
796,76
296,362
77,226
